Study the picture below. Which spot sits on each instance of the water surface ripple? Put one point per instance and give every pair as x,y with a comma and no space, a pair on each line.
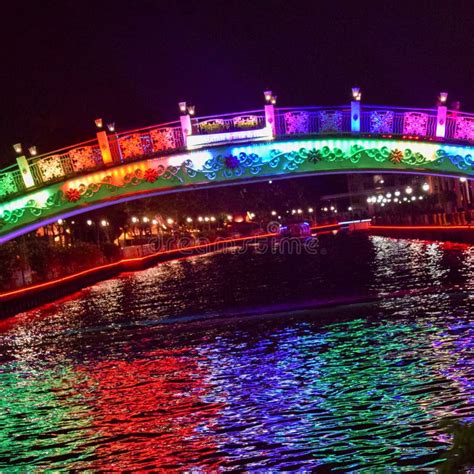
97,381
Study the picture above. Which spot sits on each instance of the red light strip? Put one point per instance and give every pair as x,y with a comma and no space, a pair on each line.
28,289
421,227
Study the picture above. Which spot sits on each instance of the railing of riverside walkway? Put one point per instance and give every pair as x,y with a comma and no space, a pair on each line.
383,121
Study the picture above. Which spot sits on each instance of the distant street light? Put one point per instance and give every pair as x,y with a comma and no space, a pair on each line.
425,187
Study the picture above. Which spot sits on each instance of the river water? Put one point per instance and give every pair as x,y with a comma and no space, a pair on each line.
230,361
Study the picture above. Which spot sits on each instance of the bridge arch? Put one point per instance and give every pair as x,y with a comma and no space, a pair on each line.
229,164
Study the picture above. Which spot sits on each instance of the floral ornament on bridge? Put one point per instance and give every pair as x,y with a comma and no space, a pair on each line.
231,162
151,175
73,195
314,156
396,156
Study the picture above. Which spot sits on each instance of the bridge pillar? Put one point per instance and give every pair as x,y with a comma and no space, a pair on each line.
26,175
104,147
186,127
355,116
270,118
441,121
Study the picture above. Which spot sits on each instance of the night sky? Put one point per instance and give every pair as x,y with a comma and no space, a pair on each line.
66,63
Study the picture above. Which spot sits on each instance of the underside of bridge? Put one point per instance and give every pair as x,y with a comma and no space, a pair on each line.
228,165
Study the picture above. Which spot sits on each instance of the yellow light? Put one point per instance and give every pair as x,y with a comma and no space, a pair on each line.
99,123
17,147
170,221
32,150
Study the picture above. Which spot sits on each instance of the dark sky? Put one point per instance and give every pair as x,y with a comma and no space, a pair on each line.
65,63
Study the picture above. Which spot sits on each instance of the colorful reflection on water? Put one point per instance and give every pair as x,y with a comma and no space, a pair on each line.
124,376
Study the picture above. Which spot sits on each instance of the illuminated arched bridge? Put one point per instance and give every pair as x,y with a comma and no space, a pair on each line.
233,148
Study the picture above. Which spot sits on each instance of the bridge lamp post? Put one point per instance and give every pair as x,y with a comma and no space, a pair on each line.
270,101
24,166
355,110
185,120
441,115
103,142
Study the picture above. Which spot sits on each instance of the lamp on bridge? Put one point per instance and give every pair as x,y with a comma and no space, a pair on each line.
441,115
33,151
24,166
191,110
111,126
268,96
182,107
355,110
99,123
356,93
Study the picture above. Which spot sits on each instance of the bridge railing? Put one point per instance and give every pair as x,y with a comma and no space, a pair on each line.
163,138
66,162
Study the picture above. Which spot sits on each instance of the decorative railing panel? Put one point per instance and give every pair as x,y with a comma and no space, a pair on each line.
330,121
464,128
415,123
85,158
163,139
50,168
8,184
296,122
381,121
